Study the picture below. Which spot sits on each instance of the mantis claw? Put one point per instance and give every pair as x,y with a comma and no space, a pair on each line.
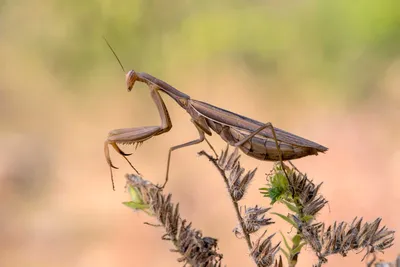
112,166
114,145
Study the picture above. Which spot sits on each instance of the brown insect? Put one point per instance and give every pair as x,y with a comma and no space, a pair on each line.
256,139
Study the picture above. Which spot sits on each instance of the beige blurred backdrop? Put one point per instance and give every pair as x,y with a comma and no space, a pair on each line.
325,70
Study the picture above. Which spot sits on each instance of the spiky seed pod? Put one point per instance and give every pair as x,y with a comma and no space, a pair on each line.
279,263
295,190
307,192
341,237
263,252
238,182
227,161
254,218
195,249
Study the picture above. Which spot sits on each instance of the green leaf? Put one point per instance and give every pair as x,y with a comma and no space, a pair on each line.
274,194
298,248
285,253
307,218
135,205
135,194
280,180
286,218
296,240
285,241
278,187
290,206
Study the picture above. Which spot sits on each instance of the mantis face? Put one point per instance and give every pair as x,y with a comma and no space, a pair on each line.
130,79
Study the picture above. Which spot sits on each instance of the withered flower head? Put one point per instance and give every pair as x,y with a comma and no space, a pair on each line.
254,218
263,252
195,249
340,238
296,191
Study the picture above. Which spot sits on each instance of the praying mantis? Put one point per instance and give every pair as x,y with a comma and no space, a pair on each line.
259,140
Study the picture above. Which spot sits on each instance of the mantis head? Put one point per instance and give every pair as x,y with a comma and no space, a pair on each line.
131,78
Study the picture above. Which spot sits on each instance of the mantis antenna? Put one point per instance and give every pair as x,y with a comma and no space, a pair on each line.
112,50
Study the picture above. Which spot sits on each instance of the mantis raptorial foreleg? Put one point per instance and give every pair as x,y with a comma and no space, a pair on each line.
139,134
128,136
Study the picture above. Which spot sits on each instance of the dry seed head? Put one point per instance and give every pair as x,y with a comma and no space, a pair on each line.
254,218
340,238
263,252
195,249
307,193
237,180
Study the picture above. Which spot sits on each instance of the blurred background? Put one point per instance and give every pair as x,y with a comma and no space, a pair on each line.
325,70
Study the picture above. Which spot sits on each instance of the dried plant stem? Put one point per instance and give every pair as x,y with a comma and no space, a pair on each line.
246,234
285,185
195,249
294,258
235,204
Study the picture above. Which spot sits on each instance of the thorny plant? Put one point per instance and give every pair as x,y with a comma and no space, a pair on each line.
195,249
287,186
301,196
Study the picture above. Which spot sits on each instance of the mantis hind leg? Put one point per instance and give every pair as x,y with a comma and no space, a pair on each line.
190,143
250,136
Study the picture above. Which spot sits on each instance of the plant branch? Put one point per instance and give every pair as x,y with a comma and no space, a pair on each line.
195,249
235,204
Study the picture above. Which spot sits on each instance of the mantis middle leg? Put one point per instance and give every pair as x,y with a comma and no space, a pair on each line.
190,143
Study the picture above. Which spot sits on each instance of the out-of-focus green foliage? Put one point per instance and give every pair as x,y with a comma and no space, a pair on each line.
344,42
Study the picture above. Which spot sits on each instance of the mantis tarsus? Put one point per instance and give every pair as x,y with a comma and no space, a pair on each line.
258,140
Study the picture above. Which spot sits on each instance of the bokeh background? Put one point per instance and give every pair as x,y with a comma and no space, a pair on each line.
325,70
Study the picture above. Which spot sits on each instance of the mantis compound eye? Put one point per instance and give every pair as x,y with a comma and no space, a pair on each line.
130,79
